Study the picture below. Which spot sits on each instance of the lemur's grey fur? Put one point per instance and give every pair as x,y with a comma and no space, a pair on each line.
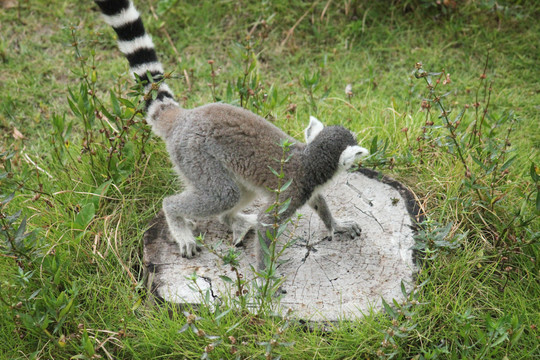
223,153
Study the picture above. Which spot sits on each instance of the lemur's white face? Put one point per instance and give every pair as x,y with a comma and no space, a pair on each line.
351,155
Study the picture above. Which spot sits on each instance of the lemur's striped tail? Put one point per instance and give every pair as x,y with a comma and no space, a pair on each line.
139,50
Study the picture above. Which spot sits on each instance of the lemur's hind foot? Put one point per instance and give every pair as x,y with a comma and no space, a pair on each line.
241,226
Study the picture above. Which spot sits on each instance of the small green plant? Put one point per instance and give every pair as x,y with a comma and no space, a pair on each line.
44,305
433,238
312,84
114,137
229,255
402,321
192,323
247,84
218,337
480,337
378,154
249,87
270,279
484,153
271,345
213,76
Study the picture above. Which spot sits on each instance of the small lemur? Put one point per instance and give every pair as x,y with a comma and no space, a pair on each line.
223,153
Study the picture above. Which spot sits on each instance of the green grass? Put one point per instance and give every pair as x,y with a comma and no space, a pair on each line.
74,288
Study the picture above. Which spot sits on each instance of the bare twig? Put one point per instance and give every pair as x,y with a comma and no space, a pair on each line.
166,33
32,162
291,30
325,9
169,39
254,27
115,247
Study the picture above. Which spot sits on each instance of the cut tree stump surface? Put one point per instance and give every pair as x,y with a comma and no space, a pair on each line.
324,280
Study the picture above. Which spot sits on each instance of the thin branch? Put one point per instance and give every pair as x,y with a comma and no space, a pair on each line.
291,30
166,33
169,39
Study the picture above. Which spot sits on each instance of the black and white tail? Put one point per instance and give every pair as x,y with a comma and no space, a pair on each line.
137,46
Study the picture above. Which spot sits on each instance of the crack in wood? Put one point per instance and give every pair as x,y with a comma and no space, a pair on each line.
210,287
370,214
360,193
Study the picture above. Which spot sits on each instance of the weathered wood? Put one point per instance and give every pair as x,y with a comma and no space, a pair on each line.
324,280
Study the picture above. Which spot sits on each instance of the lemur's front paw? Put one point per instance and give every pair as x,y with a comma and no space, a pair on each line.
189,249
346,230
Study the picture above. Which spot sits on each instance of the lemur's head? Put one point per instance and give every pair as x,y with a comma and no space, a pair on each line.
335,140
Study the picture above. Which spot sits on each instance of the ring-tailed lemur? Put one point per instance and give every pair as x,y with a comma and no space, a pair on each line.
223,153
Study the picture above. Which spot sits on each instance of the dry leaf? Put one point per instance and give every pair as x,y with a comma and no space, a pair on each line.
17,134
8,4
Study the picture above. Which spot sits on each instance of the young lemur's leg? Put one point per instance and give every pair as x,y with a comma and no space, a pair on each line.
212,193
336,229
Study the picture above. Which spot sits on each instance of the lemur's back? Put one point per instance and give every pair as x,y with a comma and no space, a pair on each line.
241,140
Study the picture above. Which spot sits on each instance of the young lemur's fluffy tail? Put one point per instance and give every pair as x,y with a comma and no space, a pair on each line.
137,46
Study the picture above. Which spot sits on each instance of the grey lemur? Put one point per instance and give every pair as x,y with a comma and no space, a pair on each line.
223,153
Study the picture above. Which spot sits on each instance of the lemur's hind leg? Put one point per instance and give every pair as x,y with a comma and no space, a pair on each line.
240,224
212,194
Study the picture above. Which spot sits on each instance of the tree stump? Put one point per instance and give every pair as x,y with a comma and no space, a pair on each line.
324,280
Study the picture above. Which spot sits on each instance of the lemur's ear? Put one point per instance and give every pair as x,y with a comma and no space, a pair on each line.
313,129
